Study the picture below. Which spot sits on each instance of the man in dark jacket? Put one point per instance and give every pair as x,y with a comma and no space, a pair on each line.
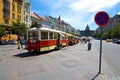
89,45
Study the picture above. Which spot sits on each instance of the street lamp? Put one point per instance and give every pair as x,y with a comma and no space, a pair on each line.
18,27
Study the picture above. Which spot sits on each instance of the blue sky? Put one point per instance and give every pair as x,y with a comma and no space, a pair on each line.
78,13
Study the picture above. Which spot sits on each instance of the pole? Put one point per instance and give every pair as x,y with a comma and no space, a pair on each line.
100,60
18,37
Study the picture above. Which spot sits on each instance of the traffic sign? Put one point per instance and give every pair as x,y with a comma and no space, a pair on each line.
101,18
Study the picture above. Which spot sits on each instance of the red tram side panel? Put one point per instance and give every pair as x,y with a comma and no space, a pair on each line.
46,45
33,46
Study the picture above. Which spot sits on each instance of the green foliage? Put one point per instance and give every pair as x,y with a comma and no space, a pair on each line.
116,31
34,24
16,26
2,32
109,34
112,33
96,35
77,35
104,35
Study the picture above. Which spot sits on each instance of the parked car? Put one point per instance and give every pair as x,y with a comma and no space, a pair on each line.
118,42
12,42
114,40
108,40
2,42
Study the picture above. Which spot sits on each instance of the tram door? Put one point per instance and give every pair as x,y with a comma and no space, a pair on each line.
33,41
59,41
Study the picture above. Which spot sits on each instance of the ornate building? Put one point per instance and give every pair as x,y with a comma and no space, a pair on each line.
87,32
26,13
10,10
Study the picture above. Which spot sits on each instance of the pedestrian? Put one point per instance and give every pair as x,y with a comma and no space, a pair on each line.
22,42
89,45
81,40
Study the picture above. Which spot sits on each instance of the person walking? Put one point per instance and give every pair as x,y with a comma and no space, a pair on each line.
89,45
22,42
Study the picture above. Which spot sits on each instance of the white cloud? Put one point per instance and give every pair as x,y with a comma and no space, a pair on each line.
92,5
78,13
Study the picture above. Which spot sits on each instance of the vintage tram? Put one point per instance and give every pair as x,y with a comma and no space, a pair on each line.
45,39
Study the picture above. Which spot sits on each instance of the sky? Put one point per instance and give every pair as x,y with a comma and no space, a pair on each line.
78,13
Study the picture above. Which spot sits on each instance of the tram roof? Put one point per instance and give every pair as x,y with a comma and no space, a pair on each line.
50,30
43,29
69,35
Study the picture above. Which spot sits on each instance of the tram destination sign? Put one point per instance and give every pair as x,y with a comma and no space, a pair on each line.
101,18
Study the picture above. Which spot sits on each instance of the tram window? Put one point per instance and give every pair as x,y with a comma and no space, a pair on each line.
50,35
33,35
44,35
55,35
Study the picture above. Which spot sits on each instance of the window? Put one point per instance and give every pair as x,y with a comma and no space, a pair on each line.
18,9
19,17
13,8
55,35
33,35
6,21
13,16
50,35
24,18
44,35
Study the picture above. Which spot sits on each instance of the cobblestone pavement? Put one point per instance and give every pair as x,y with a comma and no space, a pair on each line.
73,63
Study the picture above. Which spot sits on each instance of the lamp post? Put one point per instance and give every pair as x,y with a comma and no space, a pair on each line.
18,27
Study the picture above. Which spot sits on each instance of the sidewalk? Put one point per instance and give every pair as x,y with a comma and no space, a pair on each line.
89,61
74,63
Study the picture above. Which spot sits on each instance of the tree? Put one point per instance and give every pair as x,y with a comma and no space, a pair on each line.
2,32
104,35
96,35
14,28
23,30
17,25
116,31
109,34
34,24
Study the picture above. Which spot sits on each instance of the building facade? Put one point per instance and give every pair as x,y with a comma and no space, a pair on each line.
41,20
10,10
26,13
87,32
34,18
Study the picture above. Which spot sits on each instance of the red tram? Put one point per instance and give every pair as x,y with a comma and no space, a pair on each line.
45,39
